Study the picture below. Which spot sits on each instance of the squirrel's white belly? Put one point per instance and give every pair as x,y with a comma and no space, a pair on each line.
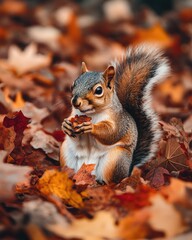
84,149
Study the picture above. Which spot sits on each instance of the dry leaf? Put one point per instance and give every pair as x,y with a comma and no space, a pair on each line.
175,158
47,143
59,184
100,227
84,176
134,226
27,60
47,35
164,217
155,34
9,177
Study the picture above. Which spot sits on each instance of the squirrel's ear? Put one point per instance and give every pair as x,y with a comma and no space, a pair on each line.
84,68
108,75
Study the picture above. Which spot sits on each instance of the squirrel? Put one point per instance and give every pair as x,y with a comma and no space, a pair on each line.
124,129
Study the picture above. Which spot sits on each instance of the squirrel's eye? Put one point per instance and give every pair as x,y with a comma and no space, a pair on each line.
98,91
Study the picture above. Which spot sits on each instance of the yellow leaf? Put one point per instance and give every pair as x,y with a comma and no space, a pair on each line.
59,184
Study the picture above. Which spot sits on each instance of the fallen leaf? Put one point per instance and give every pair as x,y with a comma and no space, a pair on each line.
164,217
156,176
27,60
47,143
59,184
45,34
176,191
84,176
18,103
175,158
9,177
42,212
7,138
173,89
134,226
100,227
138,199
34,113
156,34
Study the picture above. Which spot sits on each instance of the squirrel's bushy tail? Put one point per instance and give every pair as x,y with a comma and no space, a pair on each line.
136,74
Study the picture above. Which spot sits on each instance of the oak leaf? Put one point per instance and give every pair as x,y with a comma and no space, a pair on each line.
58,183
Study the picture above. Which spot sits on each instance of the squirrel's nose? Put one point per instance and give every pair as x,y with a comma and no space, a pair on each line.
76,101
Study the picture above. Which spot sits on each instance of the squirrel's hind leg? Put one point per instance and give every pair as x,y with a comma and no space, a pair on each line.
117,165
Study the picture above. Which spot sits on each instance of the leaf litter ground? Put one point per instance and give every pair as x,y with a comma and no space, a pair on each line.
41,48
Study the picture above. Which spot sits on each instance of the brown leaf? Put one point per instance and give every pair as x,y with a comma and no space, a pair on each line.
156,176
84,176
27,60
175,158
47,143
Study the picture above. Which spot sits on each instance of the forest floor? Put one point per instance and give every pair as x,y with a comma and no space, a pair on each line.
41,50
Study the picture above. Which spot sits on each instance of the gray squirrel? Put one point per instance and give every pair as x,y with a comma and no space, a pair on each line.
123,130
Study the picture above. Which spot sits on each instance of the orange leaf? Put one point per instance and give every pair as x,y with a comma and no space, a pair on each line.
59,184
83,176
155,34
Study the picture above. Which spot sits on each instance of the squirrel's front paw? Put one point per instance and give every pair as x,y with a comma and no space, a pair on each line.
67,127
85,127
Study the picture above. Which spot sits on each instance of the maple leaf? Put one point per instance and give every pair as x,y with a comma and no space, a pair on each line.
19,122
27,60
83,176
59,184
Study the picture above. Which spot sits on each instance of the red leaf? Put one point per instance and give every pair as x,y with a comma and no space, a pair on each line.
136,200
18,121
58,135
